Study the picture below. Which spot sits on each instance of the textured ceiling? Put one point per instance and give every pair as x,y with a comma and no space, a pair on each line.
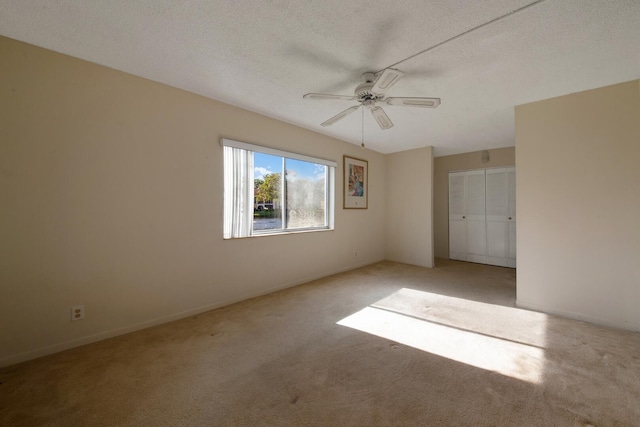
264,55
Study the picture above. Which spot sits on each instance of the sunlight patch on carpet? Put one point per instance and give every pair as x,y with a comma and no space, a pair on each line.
505,340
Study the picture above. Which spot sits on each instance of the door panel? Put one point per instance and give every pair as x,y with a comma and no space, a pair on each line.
476,238
511,184
458,240
457,184
497,209
497,239
497,203
475,194
512,240
511,218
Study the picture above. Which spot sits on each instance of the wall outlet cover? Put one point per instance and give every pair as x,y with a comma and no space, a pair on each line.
77,312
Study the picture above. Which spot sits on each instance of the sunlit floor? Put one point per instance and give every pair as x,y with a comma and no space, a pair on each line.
506,340
386,344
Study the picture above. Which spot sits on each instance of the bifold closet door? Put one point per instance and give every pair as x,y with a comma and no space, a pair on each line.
467,228
497,217
501,217
482,216
511,216
457,216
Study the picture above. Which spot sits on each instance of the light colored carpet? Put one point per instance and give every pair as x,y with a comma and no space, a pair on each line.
388,344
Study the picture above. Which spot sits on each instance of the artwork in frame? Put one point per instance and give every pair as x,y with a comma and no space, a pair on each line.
356,186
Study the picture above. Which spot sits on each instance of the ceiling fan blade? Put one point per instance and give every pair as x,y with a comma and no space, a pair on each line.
381,117
340,116
386,79
328,96
414,102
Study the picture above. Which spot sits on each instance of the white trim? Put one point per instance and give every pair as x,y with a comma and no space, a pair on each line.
100,336
331,198
276,152
578,316
477,169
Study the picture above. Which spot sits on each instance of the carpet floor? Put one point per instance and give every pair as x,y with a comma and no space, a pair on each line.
387,344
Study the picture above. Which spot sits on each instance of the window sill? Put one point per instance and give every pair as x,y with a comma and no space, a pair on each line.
281,233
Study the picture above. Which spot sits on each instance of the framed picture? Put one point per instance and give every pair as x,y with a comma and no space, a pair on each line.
356,186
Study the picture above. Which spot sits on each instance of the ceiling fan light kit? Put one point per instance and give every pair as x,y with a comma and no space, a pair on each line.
370,92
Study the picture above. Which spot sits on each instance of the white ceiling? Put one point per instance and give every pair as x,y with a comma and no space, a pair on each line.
264,55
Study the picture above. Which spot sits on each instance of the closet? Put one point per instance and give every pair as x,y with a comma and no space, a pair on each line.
482,216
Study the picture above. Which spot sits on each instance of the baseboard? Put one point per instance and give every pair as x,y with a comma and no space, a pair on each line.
66,345
427,264
578,316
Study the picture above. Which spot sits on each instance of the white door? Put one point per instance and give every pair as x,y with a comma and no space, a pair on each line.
476,217
482,220
511,216
497,225
457,216
467,230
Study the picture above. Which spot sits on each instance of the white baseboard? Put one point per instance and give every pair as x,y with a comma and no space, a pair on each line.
66,345
578,316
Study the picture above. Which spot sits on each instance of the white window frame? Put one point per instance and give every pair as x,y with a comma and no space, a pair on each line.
329,187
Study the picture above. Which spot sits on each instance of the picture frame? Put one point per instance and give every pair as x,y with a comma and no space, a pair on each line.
355,183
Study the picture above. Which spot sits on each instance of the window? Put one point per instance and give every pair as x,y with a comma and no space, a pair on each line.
269,191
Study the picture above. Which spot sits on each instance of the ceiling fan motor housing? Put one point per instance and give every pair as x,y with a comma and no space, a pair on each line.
363,90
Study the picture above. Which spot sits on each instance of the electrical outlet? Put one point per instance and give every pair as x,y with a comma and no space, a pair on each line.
77,312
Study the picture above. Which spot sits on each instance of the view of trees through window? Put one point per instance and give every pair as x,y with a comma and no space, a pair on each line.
300,197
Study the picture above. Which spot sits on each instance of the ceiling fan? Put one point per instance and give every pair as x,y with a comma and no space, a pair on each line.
371,92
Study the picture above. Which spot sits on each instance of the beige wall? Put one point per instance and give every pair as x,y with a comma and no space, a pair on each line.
410,207
111,196
578,198
443,165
